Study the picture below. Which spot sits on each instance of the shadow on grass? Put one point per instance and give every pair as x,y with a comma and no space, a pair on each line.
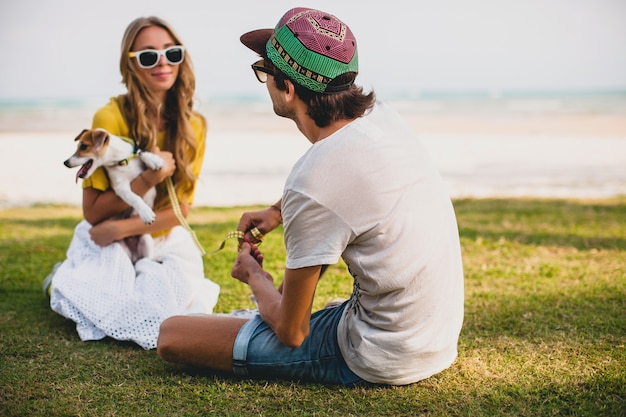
548,317
547,239
567,223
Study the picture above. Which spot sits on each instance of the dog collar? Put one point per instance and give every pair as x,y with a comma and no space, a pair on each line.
135,154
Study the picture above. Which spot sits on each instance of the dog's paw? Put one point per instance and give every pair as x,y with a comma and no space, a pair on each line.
147,215
152,161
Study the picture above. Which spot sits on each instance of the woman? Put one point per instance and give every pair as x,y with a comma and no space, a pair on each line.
98,286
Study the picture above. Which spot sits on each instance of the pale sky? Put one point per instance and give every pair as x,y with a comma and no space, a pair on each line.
58,49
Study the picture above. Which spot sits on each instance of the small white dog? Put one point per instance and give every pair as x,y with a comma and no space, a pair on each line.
123,161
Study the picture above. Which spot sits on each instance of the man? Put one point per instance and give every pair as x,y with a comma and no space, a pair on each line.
366,192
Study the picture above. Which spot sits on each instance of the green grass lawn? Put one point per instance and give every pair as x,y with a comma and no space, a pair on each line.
544,331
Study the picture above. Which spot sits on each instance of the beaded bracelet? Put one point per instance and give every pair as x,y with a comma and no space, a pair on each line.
256,233
237,233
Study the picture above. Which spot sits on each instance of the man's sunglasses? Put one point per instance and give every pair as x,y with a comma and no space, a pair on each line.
149,58
261,71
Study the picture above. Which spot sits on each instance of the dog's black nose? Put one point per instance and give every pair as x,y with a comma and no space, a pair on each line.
67,163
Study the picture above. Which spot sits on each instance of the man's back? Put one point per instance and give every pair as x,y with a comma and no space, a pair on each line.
370,194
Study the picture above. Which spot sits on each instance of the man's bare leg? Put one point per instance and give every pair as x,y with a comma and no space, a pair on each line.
203,341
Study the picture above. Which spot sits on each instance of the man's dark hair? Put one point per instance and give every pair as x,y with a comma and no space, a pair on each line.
324,108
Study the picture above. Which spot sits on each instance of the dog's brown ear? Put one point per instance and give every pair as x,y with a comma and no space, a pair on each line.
100,137
80,134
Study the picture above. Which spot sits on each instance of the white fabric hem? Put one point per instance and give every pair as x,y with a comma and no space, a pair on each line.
106,295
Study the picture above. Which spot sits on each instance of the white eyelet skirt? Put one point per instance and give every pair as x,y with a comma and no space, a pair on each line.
101,290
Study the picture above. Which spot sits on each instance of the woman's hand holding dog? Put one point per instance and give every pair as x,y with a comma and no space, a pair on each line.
152,177
106,232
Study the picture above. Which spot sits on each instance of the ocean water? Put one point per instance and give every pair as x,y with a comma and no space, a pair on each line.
571,146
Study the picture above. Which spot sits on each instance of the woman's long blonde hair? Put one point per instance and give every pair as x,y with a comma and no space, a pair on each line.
143,111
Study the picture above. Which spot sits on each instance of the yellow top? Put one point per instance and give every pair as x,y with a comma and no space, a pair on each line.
110,118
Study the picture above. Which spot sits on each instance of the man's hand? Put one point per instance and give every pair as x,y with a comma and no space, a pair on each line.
265,220
248,262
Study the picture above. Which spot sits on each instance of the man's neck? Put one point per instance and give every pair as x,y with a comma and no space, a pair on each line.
314,133
332,128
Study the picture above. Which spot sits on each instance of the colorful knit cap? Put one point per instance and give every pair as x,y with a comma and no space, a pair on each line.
312,48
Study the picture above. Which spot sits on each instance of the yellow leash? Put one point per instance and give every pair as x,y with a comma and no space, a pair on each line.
179,215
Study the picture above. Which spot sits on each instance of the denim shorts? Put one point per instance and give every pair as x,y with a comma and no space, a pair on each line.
258,353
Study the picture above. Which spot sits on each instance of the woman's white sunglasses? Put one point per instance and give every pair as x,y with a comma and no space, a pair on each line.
149,58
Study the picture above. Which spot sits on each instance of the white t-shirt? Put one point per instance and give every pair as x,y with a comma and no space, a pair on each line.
370,194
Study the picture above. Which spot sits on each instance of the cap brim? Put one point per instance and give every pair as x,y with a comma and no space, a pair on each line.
257,39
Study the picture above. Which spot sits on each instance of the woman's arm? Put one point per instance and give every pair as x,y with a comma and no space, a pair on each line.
101,205
109,231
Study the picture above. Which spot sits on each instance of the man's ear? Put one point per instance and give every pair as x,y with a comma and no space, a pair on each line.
290,91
